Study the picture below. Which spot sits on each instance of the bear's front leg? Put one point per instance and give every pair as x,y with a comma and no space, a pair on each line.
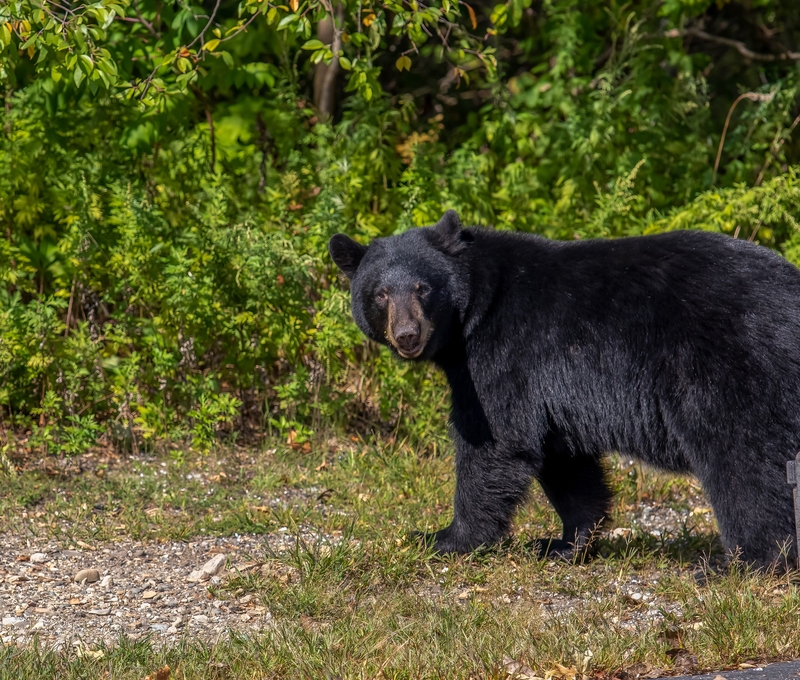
490,484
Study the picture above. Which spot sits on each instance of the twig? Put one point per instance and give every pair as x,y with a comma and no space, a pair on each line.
207,26
144,21
755,231
213,140
752,96
263,141
241,28
736,44
69,308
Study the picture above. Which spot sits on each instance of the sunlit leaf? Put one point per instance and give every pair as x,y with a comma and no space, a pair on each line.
313,45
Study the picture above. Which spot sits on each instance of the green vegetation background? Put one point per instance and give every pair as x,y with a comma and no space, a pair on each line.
167,187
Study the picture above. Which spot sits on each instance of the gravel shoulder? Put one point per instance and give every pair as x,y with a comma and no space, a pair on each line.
84,594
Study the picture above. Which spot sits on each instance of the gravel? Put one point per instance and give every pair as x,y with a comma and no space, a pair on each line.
95,594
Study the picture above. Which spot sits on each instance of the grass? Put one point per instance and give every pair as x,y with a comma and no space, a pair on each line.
361,601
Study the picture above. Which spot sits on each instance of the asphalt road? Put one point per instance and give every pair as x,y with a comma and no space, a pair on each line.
774,671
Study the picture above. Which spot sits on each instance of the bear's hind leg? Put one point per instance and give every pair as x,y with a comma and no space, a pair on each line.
754,510
575,485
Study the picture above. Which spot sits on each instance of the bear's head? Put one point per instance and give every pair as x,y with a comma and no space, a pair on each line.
407,290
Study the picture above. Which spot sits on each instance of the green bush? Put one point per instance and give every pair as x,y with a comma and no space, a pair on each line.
167,190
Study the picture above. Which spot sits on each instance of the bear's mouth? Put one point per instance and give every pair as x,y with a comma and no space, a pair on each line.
413,353
425,329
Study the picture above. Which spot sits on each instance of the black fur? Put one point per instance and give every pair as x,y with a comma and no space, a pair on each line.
681,350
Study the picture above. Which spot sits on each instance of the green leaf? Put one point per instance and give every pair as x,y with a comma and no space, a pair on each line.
78,77
499,14
287,21
313,45
358,39
344,62
227,58
211,45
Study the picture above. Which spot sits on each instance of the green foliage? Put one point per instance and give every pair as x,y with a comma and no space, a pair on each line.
167,191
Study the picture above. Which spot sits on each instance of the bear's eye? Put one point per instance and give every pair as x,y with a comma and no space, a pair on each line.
381,297
422,289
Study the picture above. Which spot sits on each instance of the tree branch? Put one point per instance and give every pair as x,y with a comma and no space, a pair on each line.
202,33
736,44
325,76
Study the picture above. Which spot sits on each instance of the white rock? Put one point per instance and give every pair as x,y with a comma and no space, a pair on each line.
13,621
200,618
107,581
38,558
214,565
209,569
197,576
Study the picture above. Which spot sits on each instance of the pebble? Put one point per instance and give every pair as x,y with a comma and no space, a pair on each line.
100,612
38,558
88,575
107,581
200,618
209,569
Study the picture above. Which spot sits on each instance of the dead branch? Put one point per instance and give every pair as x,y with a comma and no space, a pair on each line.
736,44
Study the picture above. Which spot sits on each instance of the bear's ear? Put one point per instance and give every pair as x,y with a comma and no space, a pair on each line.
346,253
450,233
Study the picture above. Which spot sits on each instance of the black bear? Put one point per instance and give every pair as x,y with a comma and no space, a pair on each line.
680,349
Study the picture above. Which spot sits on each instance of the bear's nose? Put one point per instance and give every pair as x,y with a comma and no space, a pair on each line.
407,337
